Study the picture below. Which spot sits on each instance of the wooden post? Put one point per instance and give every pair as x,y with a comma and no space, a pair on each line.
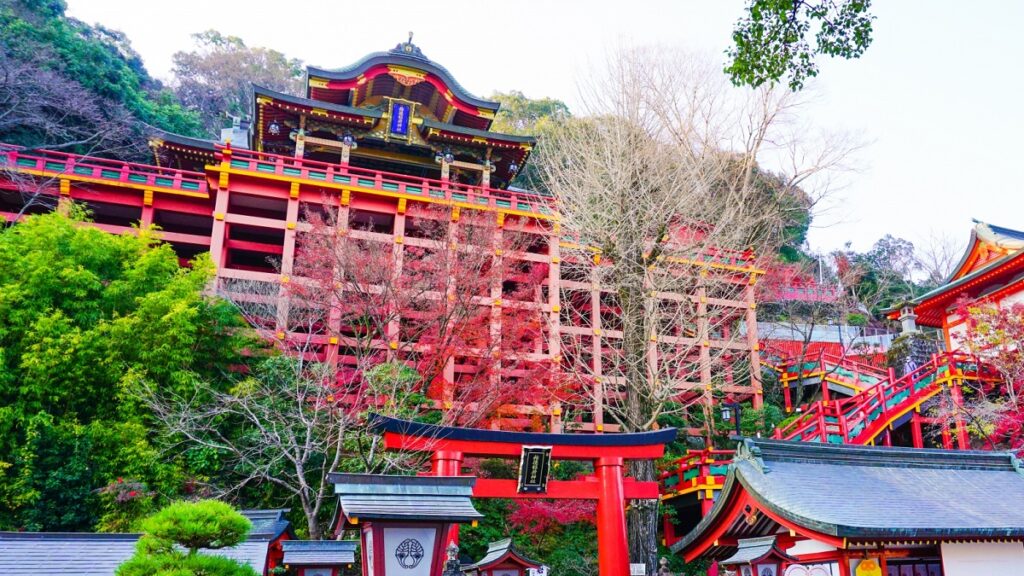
612,551
754,345
915,430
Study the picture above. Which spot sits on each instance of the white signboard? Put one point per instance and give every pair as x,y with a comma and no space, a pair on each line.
542,571
368,569
408,551
819,570
637,569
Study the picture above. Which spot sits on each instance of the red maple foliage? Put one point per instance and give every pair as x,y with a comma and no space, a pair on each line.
542,516
994,332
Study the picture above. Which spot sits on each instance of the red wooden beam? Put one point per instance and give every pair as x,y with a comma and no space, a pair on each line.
587,488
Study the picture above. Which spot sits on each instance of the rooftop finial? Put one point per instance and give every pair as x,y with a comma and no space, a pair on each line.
407,48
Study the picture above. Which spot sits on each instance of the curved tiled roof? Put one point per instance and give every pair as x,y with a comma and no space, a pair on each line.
405,54
310,103
412,498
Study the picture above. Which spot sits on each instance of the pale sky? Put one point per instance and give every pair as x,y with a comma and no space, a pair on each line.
938,95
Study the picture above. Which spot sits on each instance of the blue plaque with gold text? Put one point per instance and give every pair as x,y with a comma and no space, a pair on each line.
400,119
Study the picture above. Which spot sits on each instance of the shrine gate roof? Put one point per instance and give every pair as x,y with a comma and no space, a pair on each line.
447,433
842,493
413,498
319,552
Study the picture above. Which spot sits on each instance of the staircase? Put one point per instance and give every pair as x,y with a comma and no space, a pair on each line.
860,418
878,402
833,373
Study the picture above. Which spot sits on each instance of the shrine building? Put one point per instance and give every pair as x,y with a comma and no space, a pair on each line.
990,270
399,150
803,509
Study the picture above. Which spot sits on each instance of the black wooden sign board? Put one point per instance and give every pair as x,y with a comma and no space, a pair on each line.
534,466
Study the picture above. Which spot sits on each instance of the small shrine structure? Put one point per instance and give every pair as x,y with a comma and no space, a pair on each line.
501,559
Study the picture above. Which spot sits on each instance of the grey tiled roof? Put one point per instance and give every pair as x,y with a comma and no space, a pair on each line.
309,102
269,523
751,549
319,552
428,123
425,498
44,554
867,493
89,554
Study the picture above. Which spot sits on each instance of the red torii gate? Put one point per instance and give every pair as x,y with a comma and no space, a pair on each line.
450,446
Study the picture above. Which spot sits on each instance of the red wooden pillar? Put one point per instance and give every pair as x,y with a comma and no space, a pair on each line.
446,463
915,430
218,236
612,551
958,402
786,392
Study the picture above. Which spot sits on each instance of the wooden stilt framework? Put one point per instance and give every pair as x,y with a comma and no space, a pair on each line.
246,207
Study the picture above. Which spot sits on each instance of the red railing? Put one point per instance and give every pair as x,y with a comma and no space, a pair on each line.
316,171
57,164
804,293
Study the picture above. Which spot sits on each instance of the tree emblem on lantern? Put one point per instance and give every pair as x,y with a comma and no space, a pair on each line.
409,553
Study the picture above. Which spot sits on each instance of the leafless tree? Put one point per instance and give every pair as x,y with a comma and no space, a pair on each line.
660,175
46,108
937,255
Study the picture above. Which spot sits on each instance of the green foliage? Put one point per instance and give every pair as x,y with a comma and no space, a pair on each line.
89,323
124,504
773,39
100,60
206,524
881,278
529,117
217,78
855,319
178,564
752,423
